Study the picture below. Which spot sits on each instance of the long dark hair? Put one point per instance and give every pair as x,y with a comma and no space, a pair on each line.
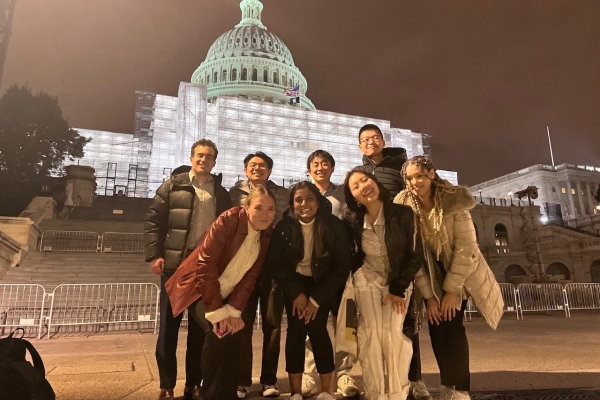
354,209
320,228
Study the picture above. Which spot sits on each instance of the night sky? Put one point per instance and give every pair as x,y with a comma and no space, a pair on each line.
484,78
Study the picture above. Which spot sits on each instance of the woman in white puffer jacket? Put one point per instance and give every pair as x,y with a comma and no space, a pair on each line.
454,270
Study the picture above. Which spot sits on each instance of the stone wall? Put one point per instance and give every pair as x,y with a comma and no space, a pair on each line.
10,253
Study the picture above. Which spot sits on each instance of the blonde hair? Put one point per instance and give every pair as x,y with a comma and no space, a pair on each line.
258,191
438,188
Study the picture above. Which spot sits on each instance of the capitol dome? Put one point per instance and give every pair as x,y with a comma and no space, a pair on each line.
251,62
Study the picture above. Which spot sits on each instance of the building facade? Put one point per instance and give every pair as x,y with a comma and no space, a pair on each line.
236,98
571,187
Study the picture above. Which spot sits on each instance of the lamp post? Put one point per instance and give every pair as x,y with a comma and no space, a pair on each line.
510,194
480,198
532,193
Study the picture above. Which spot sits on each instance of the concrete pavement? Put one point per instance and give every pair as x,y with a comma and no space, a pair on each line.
542,352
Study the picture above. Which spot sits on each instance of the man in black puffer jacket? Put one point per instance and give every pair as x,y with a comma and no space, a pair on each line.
386,164
183,209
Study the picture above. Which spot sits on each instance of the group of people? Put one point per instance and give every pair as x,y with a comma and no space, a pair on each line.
402,234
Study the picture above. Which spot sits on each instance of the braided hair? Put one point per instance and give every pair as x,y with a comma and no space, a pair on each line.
438,187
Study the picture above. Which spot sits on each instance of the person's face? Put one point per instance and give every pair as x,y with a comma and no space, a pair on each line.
363,189
261,212
419,182
203,160
257,170
371,143
321,170
305,204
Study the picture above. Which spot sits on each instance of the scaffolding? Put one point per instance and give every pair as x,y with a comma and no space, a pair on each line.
141,151
7,12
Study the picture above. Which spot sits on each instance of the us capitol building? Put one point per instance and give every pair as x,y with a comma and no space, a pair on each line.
236,99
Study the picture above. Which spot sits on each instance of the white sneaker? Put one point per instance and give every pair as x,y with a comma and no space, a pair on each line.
325,396
459,396
347,387
296,397
419,391
242,392
270,391
309,386
446,393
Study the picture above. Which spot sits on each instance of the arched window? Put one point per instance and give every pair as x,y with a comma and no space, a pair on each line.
501,235
234,74
254,74
560,269
595,271
244,74
215,77
265,76
207,79
513,271
224,76
275,78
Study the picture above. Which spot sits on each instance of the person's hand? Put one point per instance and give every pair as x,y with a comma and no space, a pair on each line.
398,303
158,266
236,323
434,314
448,307
223,325
310,312
299,305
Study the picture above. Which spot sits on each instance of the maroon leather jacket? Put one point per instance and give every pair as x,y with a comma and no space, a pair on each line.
198,276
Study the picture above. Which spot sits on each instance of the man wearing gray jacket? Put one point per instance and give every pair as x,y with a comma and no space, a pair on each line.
258,167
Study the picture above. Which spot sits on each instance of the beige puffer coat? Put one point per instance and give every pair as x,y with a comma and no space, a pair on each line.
467,271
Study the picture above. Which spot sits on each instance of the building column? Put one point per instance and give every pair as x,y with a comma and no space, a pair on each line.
573,210
580,197
591,198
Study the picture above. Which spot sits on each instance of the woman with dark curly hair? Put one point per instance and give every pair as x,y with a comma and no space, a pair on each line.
454,269
310,257
389,253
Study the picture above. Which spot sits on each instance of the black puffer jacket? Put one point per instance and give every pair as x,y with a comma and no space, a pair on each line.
169,217
388,170
330,271
399,242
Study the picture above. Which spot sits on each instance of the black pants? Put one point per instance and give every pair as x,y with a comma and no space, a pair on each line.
166,345
410,330
271,310
451,350
316,331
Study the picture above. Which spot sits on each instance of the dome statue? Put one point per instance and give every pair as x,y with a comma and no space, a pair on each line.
251,62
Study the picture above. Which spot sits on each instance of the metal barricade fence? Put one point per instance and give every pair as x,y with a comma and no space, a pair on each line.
509,295
117,242
22,306
470,309
542,297
104,304
79,241
583,296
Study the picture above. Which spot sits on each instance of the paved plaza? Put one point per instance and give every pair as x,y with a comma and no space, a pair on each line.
542,357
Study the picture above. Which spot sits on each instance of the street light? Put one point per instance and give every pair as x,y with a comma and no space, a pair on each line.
480,198
510,194
531,192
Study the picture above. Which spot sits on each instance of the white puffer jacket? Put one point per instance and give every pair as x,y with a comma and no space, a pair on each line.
467,271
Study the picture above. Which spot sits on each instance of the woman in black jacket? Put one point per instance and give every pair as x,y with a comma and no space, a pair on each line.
310,258
389,254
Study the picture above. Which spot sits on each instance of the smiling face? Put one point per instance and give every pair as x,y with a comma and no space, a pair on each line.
257,171
203,160
261,212
363,189
371,143
321,170
419,182
305,204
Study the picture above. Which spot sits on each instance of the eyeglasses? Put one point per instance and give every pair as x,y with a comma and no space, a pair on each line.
258,166
374,139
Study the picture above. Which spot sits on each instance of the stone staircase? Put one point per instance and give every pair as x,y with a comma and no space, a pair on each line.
52,269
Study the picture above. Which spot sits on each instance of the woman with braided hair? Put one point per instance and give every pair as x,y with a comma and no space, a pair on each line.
454,269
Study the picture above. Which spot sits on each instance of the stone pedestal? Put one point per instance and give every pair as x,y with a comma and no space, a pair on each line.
10,253
23,231
81,186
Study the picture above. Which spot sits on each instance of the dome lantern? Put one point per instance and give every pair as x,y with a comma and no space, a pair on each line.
251,10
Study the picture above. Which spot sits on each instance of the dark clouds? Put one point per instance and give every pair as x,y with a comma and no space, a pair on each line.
484,78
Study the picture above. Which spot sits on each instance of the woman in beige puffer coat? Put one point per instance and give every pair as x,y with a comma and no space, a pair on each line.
454,270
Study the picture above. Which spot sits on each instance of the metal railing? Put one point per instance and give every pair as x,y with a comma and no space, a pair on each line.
22,306
542,297
78,241
509,295
117,242
583,296
104,304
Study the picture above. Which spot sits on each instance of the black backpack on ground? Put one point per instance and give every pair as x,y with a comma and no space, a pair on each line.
19,380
